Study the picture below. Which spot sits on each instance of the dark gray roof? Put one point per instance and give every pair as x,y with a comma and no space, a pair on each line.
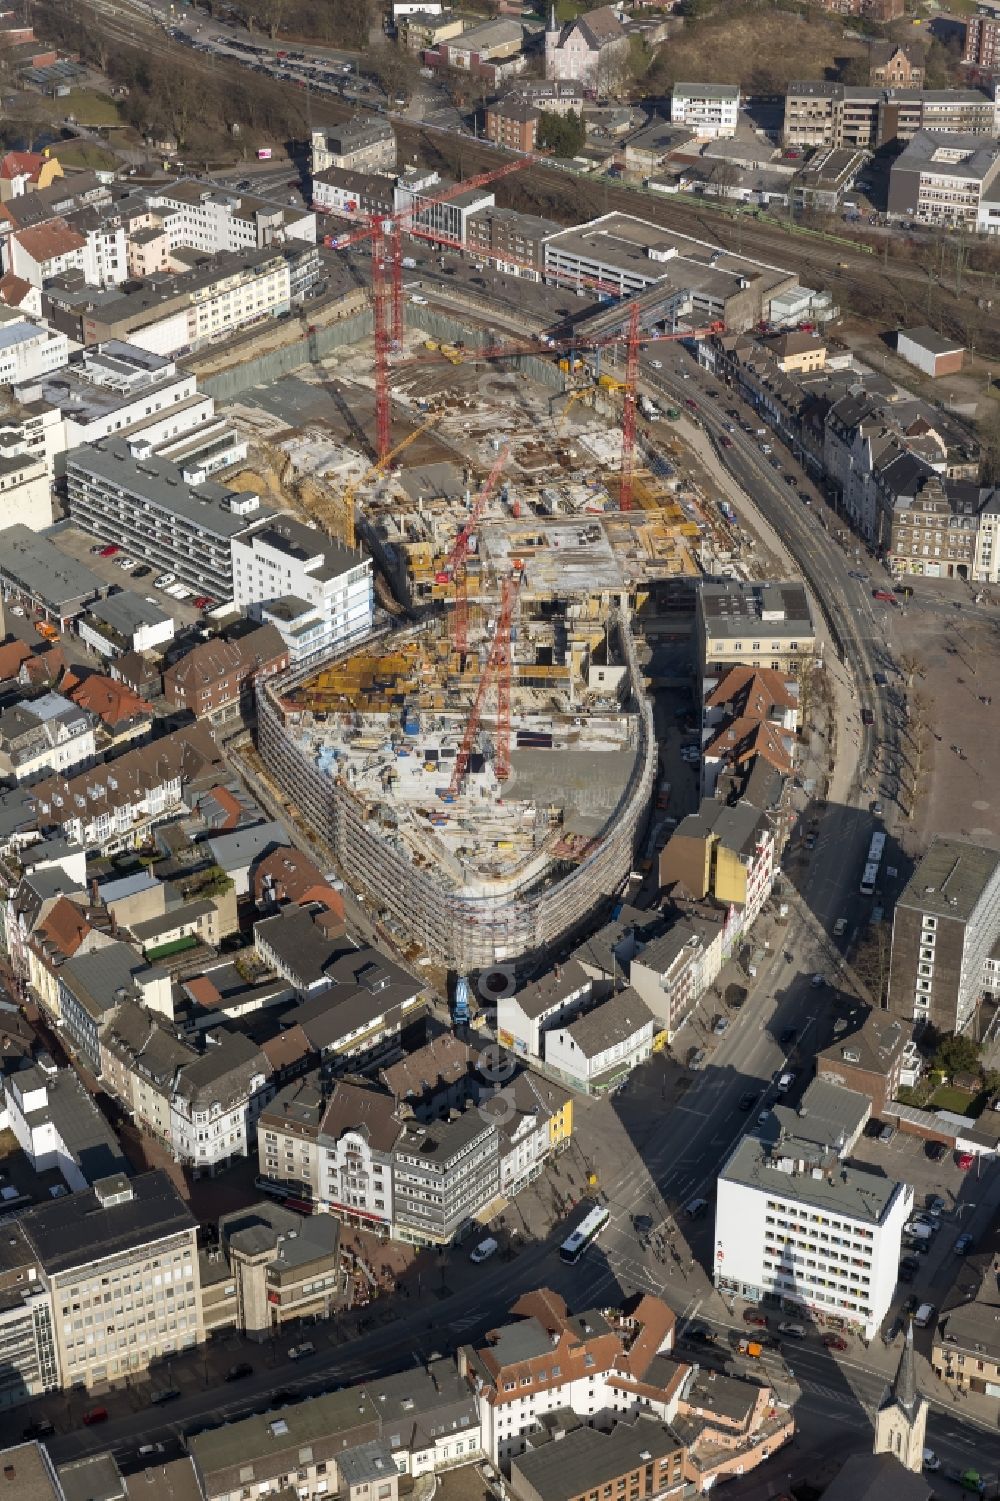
558,985
96,1478
877,1477
81,1127
951,879
934,343
617,1019
731,608
293,1239
33,562
588,1458
78,1229
96,978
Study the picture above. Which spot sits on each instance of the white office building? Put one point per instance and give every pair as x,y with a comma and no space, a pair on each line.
710,109
28,352
209,218
317,592
800,1227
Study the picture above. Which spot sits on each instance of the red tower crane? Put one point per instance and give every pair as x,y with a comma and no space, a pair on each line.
628,413
498,667
460,552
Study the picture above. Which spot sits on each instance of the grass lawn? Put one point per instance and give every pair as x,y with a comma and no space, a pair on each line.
945,1097
88,107
84,154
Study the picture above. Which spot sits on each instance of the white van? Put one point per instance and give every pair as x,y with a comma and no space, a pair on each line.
484,1250
924,1315
421,301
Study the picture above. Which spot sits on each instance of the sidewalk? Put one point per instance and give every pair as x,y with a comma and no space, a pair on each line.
845,745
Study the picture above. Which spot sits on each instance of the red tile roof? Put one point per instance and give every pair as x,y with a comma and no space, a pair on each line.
21,164
12,654
111,700
46,241
13,289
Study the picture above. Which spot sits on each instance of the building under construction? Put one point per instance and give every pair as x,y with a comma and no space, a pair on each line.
482,800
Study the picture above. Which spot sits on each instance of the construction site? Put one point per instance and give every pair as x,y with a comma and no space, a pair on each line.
482,766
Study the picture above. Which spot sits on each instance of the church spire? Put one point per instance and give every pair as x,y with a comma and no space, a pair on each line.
904,1387
553,24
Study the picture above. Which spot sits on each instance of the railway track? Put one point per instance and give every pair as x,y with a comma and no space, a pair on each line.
861,281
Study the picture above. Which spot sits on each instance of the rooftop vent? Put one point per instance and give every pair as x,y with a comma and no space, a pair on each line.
278,1428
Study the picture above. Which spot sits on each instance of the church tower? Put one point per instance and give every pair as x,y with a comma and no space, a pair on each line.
901,1421
553,32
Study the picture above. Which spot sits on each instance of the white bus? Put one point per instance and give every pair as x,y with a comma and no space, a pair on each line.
587,1230
875,852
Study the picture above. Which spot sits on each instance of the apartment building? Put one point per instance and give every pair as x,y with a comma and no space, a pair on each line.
25,492
41,252
935,527
711,110
598,1050
866,1054
120,1263
444,1175
357,1133
945,924
982,41
757,624
45,734
363,145
523,1018
965,1354
859,117
205,217
216,679
93,984
799,1227
547,1360
57,1125
116,805
314,591
28,1364
424,28
513,123
288,1137
672,971
148,508
941,178
417,190
642,1459
724,851
511,241
28,352
351,194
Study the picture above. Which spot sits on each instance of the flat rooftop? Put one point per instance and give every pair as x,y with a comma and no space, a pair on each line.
850,1189
950,879
34,563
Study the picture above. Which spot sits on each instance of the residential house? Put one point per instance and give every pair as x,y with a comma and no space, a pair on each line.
724,851
288,1138
122,716
522,1019
92,986
597,1051
866,1054
895,65
672,971
592,49
50,734
357,1134
41,253
27,172
215,680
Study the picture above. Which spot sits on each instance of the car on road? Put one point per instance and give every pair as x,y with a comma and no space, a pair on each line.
202,602
747,1101
931,1461
40,1428
642,1224
240,1371
764,1117
867,717
696,1059
834,1341
792,1331
877,809
720,1025
964,1161
696,1208
908,1268
789,479
818,981
934,1151
811,840
94,1416
840,927
146,1449
158,1396
698,1334
919,1245
689,401
726,442
751,1316
786,1081
787,1037
880,680
656,364
964,1244
299,1352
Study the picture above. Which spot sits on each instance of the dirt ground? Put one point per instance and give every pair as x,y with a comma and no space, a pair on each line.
972,387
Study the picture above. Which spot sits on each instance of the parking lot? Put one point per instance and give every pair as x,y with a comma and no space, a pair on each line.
79,545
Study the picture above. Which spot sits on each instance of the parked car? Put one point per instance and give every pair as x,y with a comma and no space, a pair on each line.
142,572
834,1341
792,1331
908,1268
299,1352
642,1224
867,717
751,1316
931,1461
720,1025
747,1101
817,982
698,1334
40,1428
163,579
240,1371
147,1449
840,927
935,1204
964,1161
964,1244
886,1134
95,1415
109,551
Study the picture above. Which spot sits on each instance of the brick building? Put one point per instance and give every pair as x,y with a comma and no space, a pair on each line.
215,680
